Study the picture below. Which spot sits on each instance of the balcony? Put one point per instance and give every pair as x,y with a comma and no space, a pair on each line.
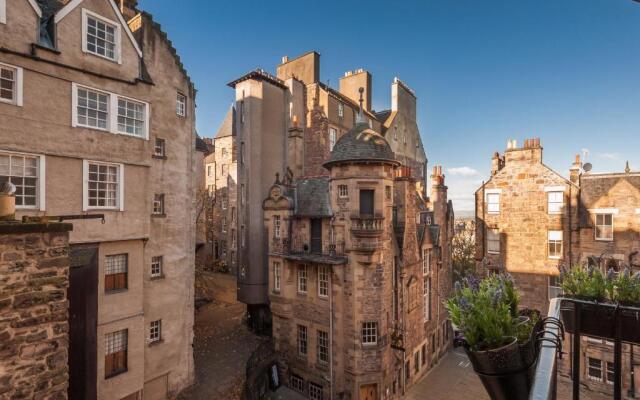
332,252
607,321
366,245
367,226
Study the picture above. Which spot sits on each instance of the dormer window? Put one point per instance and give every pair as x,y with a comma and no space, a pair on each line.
101,36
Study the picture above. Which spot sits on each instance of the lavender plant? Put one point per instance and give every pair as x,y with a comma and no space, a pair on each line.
588,283
624,288
485,311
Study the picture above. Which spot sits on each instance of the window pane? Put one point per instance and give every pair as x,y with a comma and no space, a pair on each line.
101,38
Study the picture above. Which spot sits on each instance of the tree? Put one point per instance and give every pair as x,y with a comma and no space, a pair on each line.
463,248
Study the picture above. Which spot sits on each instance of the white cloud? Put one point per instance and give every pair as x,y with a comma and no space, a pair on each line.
463,171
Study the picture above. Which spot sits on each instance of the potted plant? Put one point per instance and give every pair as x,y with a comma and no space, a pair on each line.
602,299
499,341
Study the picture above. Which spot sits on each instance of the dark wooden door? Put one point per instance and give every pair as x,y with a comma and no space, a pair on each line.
366,202
316,235
83,321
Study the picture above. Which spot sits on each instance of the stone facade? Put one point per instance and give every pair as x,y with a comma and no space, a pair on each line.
288,124
34,326
63,124
222,182
540,221
356,297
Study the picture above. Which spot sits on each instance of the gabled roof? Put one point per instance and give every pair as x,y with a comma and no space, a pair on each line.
345,99
260,75
227,128
312,197
53,11
201,145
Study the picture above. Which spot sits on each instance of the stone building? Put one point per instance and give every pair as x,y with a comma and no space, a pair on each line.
288,124
222,179
530,220
358,265
97,118
34,276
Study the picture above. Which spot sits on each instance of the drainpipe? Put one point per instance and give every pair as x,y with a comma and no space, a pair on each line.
331,336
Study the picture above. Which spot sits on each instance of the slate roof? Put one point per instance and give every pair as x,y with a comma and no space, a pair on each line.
361,144
227,128
312,198
50,7
434,231
260,75
382,115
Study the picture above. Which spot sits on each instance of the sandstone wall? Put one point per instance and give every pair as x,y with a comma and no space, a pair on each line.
34,271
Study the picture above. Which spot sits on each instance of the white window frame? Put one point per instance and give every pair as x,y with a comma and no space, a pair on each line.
112,112
157,263
303,278
18,81
160,147
277,276
555,236
340,109
369,333
333,138
603,212
324,278
181,105
3,11
86,14
323,347
316,393
343,194
589,367
499,244
158,200
41,179
276,226
85,186
555,207
303,340
155,331
426,297
426,261
492,207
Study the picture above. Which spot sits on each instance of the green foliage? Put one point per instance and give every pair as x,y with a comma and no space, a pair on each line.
585,283
486,311
624,288
463,248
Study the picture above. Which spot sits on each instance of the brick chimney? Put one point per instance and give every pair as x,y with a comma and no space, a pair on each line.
575,170
497,162
531,152
305,68
351,83
439,197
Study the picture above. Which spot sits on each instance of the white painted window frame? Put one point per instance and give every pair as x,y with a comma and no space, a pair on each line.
19,72
277,276
604,211
302,275
344,195
42,168
3,11
112,112
85,186
549,193
488,192
499,242
554,234
86,14
333,138
327,272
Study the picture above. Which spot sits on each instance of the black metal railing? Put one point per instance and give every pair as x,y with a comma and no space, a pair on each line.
545,378
606,321
331,248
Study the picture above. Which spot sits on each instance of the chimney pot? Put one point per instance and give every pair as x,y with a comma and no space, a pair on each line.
285,59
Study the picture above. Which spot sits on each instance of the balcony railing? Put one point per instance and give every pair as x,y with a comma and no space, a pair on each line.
605,321
331,252
367,226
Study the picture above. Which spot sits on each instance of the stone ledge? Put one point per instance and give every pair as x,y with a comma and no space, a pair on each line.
8,228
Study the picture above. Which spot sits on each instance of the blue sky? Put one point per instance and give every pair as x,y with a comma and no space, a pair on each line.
567,71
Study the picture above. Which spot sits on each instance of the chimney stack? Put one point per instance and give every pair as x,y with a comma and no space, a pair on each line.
575,170
497,162
128,8
352,81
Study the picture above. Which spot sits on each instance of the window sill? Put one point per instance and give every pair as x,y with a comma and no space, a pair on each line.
114,374
157,278
155,343
604,240
555,258
163,215
494,253
9,102
158,157
115,291
46,48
